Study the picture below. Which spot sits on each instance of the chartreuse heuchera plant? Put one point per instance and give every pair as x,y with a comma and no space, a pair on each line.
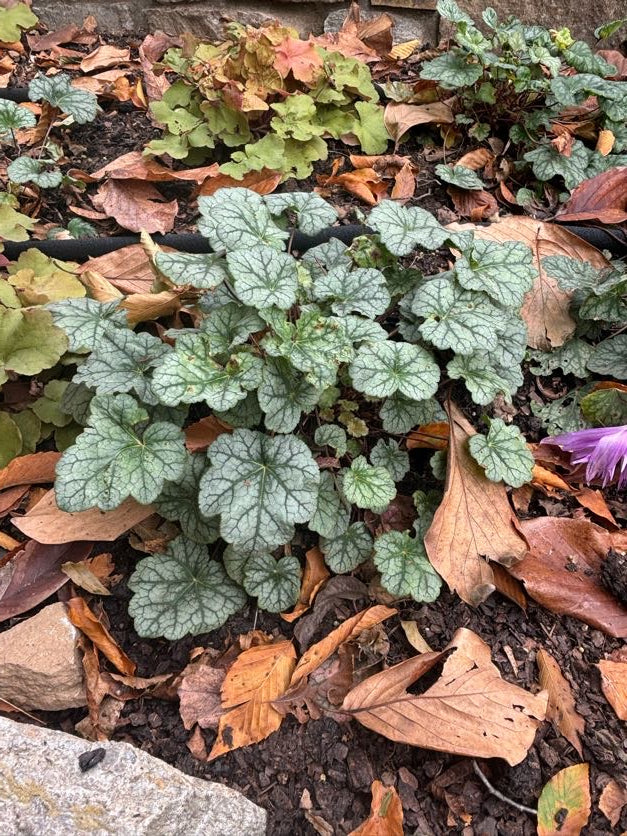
321,365
273,96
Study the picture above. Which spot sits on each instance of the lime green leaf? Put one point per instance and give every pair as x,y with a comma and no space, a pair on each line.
14,226
548,163
178,501
312,211
264,277
295,118
57,90
275,583
483,379
348,74
29,342
260,486
284,395
361,291
48,408
190,375
181,591
10,439
382,369
405,568
85,321
460,176
330,435
610,357
608,29
405,228
29,426
268,152
369,128
367,486
331,517
238,220
504,271
400,414
346,552
386,453
8,296
452,70
31,170
503,454
119,456
603,408
14,19
44,281
299,156
203,270
13,117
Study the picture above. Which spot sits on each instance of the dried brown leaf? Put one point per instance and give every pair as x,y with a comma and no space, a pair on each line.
135,166
386,813
601,198
613,799
614,685
81,575
32,469
415,637
105,56
82,617
400,117
315,574
262,182
199,693
561,709
202,433
136,205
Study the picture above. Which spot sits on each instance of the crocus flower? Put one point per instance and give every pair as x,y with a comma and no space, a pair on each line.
603,450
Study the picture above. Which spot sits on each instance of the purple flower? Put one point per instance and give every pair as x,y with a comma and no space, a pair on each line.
603,450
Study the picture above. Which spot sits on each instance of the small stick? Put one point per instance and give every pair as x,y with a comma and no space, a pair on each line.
500,795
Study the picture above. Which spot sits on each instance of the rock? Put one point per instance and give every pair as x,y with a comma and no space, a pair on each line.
40,666
43,790
207,19
408,25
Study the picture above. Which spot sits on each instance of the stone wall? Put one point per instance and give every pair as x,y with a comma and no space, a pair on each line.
414,18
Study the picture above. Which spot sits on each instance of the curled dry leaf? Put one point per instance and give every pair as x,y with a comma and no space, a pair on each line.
614,685
365,183
135,166
469,711
561,709
32,469
476,205
258,676
564,804
386,813
143,307
82,617
136,205
601,198
46,523
399,117
202,433
613,799
315,574
105,56
127,269
262,182
150,51
562,569
473,522
81,575
415,637
476,159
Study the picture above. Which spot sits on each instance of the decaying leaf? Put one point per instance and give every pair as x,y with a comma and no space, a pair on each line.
561,709
415,637
386,813
82,575
564,804
469,711
602,198
136,205
614,685
202,433
135,166
400,117
199,693
32,469
82,617
473,522
315,574
613,799
262,182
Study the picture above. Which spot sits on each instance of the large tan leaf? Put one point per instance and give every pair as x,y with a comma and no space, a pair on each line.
258,676
614,685
136,205
33,469
400,117
561,711
474,521
386,813
602,198
469,711
134,166
127,269
564,804
546,306
46,523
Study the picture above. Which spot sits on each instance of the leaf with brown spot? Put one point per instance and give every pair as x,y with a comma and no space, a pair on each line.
469,710
82,617
561,710
136,205
202,433
48,524
473,523
614,685
601,198
258,676
386,813
32,469
315,574
561,571
613,799
564,804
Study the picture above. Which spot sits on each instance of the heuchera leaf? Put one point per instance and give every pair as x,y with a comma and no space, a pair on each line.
548,163
230,325
85,321
452,70
181,591
404,228
386,453
361,291
260,486
57,90
459,176
284,395
346,552
572,358
10,439
368,486
386,368
119,456
178,502
14,19
13,117
400,414
203,270
504,271
275,583
29,342
610,357
240,221
264,277
31,170
331,517
405,568
484,380
503,454
331,435
313,213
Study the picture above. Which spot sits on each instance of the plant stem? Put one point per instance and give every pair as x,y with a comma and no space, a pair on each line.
500,795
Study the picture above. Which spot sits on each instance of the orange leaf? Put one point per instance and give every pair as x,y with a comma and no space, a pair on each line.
33,469
478,205
568,793
364,183
430,436
613,799
605,142
315,574
262,182
477,159
614,685
82,617
404,183
473,522
561,711
300,58
351,628
469,711
258,676
509,586
399,117
201,434
547,479
386,813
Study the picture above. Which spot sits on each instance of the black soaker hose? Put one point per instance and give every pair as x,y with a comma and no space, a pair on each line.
14,94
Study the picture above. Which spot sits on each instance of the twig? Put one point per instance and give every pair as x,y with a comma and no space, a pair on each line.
500,795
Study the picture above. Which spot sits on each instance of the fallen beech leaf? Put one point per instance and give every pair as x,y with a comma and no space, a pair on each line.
82,617
614,685
127,269
400,52
33,573
201,434
105,56
605,142
315,574
258,676
81,575
509,586
594,501
414,637
613,799
469,711
561,709
478,205
33,469
143,307
399,117
561,571
429,436
601,198
199,693
386,813
564,804
48,524
473,522
404,183
150,51
546,306
262,182
11,498
477,159
134,166
136,205
7,542
544,478
348,630
99,288
364,183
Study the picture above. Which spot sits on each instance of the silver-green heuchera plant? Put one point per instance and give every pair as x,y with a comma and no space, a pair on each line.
295,354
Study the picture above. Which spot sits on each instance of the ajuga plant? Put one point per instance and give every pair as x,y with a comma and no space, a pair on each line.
269,94
542,90
41,164
321,365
